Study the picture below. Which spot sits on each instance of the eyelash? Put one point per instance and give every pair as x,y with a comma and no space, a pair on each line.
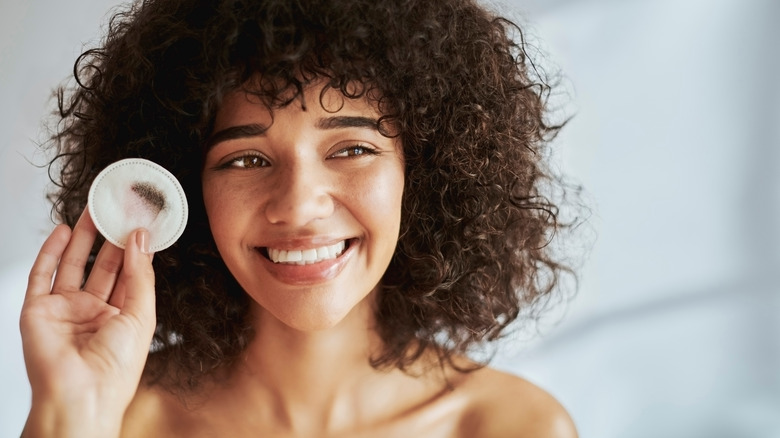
364,150
251,161
241,162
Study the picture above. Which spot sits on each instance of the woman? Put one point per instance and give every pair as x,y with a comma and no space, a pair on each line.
394,148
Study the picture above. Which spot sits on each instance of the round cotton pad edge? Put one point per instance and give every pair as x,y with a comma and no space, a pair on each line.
134,193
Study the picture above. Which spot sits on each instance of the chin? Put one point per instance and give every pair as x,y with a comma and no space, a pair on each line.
315,315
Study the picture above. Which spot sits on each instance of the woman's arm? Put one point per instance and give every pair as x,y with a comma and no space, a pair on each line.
85,343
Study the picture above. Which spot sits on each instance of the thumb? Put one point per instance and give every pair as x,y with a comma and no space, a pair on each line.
137,269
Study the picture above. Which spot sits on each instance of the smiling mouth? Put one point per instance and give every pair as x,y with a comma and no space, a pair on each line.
305,256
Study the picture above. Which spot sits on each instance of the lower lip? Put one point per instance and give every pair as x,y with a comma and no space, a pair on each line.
309,274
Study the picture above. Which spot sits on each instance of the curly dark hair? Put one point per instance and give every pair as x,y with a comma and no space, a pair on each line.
453,79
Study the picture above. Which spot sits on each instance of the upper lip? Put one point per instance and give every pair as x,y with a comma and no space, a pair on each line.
299,244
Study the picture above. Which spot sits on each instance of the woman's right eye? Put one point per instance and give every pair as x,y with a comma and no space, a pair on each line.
246,162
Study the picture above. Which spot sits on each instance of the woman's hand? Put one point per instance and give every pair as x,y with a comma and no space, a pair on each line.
85,343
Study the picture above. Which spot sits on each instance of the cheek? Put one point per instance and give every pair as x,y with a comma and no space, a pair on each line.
211,199
221,208
381,198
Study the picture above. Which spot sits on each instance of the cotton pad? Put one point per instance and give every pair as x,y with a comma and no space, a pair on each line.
137,193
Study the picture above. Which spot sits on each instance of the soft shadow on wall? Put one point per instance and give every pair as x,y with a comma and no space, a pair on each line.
676,138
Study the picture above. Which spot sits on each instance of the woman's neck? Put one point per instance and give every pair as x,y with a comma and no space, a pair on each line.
305,383
317,380
302,364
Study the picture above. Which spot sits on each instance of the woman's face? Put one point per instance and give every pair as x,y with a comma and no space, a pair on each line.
304,205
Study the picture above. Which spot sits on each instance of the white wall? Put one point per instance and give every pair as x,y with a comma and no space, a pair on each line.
675,332
39,40
676,138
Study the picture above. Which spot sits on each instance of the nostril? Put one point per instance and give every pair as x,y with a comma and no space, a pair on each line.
297,208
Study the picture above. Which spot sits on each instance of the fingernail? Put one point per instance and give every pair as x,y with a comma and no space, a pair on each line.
142,240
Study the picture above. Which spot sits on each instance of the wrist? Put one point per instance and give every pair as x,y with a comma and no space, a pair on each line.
83,418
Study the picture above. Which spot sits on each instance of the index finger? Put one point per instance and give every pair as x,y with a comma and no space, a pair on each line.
70,273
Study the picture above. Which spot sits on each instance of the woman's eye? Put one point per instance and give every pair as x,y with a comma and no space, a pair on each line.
247,162
354,151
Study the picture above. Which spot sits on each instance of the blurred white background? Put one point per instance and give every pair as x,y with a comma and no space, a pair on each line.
676,138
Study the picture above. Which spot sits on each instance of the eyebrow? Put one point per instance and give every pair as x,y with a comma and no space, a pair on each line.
236,132
337,122
257,130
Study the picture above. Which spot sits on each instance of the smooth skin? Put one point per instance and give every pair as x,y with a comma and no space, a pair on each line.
308,179
301,180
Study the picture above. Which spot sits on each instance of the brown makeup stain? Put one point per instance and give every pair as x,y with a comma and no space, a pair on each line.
151,195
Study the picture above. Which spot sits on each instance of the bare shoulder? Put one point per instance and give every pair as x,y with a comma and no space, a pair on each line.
504,405
152,413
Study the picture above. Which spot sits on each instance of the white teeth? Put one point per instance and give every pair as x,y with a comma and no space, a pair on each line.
323,253
306,256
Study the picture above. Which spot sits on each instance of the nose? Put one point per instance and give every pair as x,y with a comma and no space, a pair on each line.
301,195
